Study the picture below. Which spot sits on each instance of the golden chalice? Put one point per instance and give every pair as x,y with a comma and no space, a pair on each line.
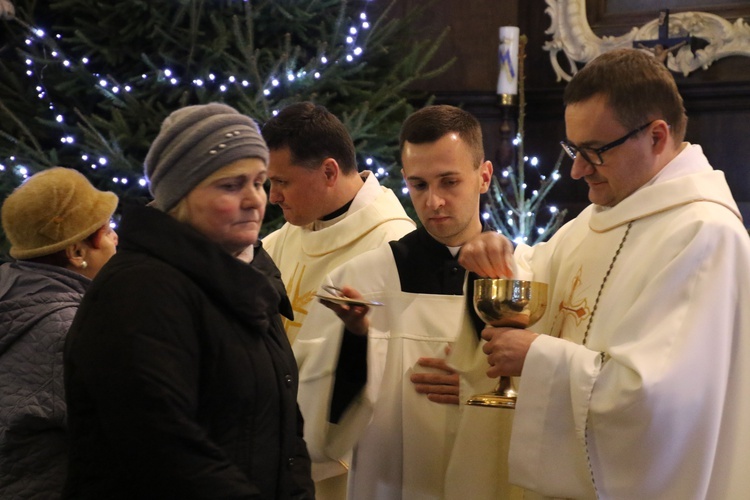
507,302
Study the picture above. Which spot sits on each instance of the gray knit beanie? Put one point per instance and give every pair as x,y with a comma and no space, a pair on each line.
193,143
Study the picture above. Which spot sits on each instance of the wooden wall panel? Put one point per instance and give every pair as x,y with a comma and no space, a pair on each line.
472,39
717,100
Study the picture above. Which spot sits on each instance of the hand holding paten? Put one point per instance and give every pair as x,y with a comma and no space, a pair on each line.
352,312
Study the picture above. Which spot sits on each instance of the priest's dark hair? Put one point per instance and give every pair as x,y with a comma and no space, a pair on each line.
312,134
638,87
433,122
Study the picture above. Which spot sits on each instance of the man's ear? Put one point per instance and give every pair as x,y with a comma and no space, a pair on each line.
486,175
331,171
660,136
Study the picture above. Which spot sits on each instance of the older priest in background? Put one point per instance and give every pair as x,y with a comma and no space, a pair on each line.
333,213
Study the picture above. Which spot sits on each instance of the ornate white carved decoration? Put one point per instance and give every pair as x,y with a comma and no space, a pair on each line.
573,37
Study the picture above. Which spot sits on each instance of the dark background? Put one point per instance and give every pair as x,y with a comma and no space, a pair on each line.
717,100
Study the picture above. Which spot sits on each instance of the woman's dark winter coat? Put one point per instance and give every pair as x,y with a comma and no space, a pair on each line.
37,306
180,380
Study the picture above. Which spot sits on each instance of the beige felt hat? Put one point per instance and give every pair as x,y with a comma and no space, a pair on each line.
53,209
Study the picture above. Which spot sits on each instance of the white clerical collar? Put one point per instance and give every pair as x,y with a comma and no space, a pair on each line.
685,163
366,195
453,250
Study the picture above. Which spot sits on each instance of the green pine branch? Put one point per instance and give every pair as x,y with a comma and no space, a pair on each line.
91,92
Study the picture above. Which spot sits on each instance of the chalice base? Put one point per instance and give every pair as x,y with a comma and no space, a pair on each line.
502,397
493,400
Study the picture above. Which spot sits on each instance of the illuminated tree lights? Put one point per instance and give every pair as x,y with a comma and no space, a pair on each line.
39,42
517,211
86,84
513,208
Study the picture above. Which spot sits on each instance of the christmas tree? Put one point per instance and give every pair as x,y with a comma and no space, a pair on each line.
86,84
516,198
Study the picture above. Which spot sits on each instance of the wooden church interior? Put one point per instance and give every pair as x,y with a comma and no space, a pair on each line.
717,98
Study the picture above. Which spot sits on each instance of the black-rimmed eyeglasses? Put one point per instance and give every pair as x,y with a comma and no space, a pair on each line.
588,153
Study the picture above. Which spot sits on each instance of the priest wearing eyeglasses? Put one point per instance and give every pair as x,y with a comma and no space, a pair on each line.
640,388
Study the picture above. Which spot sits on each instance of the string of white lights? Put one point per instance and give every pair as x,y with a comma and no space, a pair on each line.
43,49
516,215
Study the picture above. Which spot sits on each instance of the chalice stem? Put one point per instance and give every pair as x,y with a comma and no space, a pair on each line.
505,388
506,302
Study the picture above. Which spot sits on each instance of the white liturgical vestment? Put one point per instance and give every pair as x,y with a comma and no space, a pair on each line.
405,446
641,389
304,255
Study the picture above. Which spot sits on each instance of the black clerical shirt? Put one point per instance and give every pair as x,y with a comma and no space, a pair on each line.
424,266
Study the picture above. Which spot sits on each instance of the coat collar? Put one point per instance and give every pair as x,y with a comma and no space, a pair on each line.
251,290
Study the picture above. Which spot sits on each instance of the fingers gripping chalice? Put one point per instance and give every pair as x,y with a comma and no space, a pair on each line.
511,303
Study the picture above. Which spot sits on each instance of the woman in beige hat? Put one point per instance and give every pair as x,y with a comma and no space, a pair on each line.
58,227
180,380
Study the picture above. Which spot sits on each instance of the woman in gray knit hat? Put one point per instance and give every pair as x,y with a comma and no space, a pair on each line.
179,377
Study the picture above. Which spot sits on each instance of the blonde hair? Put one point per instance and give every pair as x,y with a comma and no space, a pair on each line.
181,211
